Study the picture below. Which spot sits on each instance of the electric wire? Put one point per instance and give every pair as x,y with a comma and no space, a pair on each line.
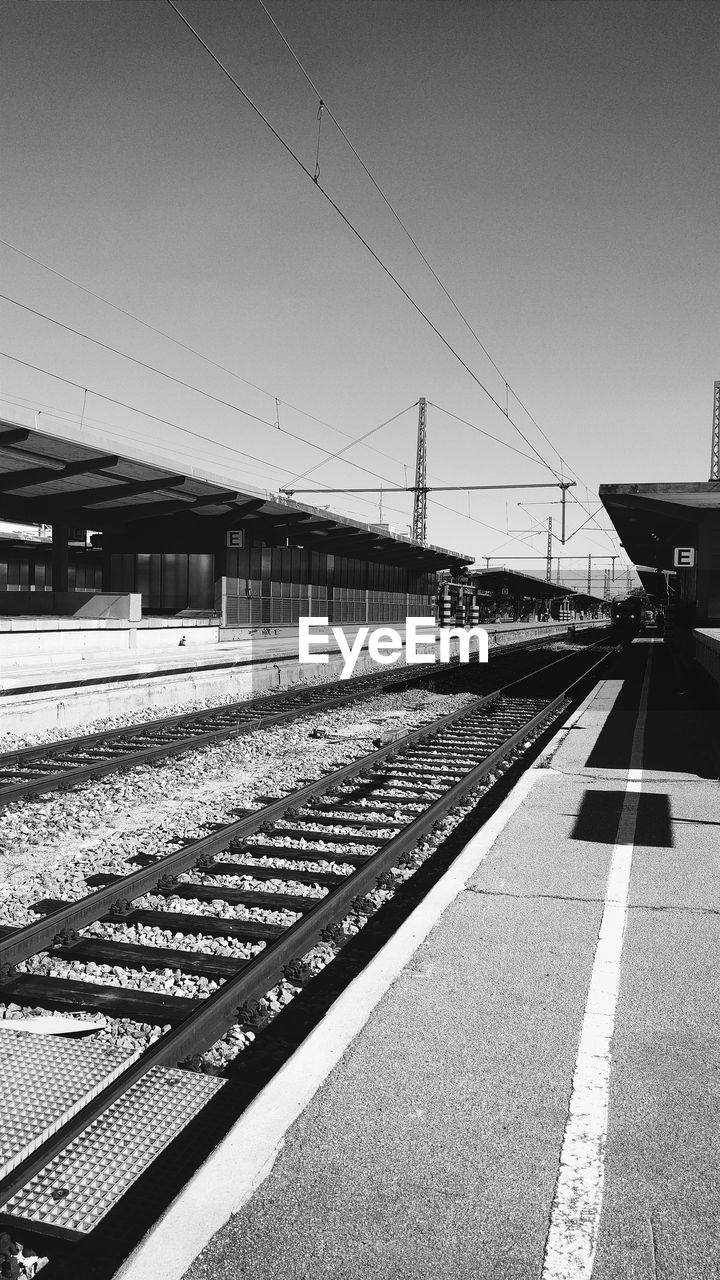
227,404
304,474
231,448
42,409
223,368
184,346
145,413
509,389
351,227
255,386
405,229
154,417
482,432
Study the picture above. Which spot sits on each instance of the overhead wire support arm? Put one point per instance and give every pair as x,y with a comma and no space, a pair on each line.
435,488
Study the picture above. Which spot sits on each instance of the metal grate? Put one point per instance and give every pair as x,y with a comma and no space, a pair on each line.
46,1081
75,1191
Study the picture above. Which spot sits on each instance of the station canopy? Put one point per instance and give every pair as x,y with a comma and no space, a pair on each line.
64,480
582,600
653,519
654,582
513,583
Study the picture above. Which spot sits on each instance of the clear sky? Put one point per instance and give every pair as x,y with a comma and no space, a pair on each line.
558,164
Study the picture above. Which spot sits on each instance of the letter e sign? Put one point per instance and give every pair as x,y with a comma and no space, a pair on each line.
684,557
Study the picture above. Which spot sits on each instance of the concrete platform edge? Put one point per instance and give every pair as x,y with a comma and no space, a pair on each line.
245,1157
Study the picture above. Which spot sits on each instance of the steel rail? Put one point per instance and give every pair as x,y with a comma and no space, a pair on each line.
309,701
250,719
31,938
27,940
219,1011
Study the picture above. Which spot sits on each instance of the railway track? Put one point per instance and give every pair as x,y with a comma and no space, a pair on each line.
31,771
37,770
273,884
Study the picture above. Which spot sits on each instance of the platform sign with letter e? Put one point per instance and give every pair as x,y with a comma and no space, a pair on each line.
684,557
233,537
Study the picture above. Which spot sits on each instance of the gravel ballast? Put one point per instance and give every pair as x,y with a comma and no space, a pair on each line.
50,846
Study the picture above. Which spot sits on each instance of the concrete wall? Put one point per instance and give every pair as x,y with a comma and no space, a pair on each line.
707,650
71,604
58,640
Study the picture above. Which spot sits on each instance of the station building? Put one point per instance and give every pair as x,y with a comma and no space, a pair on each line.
190,543
672,534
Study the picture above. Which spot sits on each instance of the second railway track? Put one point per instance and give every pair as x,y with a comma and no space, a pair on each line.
26,772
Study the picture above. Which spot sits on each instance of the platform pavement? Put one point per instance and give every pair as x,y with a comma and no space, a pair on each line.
432,1148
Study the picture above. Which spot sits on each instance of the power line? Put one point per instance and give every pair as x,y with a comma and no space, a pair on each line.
39,408
227,404
230,448
481,431
304,474
223,368
134,409
155,418
351,227
255,386
508,387
192,350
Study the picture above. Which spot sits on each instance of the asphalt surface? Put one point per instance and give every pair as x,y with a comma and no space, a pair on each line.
432,1149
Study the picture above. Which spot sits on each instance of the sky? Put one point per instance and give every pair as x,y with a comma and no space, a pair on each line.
557,164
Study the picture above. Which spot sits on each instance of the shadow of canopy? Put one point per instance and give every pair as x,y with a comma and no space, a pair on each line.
683,719
598,820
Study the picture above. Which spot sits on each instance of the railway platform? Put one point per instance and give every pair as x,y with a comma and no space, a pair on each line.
525,1081
55,676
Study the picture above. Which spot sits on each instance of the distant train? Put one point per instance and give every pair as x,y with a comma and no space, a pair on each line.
627,617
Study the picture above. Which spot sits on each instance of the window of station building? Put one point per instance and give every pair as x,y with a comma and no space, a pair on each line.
321,571
174,595
201,580
122,572
148,579
254,563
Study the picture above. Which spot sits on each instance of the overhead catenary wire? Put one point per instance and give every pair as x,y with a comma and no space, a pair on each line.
543,529
304,474
227,404
278,401
481,431
208,439
185,347
231,372
509,389
134,409
324,106
358,234
255,386
387,271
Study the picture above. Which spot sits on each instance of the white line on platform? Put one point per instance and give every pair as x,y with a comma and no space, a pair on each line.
577,1204
245,1157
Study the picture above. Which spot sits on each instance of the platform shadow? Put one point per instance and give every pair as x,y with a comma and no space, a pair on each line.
598,820
681,732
